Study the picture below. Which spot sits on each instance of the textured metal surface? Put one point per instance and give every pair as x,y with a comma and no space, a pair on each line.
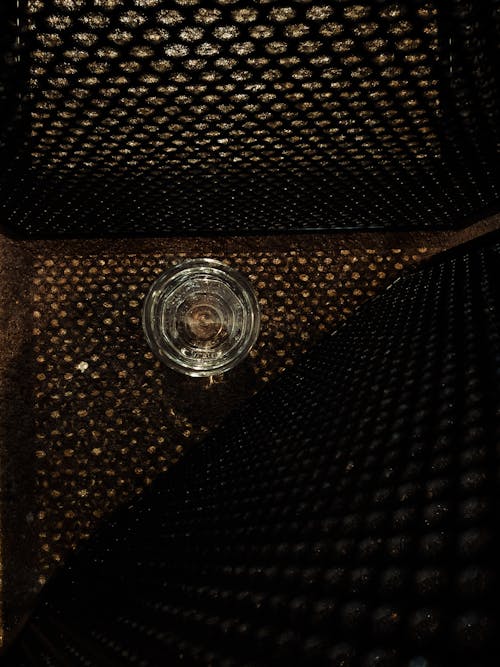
347,515
154,87
91,418
141,118
107,417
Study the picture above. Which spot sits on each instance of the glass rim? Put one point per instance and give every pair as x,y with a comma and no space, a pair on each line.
234,280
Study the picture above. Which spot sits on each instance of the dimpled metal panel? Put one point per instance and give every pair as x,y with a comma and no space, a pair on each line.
234,116
346,516
109,417
90,419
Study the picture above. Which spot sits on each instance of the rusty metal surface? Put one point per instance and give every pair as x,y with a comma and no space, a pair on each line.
89,417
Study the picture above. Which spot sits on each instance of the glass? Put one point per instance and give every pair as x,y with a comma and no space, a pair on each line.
201,317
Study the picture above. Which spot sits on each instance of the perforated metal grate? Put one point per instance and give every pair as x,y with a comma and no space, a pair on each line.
146,117
90,419
109,417
347,516
156,86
